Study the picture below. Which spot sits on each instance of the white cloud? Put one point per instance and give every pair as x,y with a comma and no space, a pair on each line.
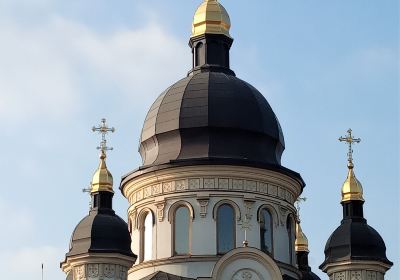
19,226
50,70
23,261
35,80
26,263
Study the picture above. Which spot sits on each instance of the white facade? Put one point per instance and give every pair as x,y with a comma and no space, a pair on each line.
203,189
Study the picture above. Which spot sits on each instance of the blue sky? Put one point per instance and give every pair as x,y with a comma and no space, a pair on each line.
324,66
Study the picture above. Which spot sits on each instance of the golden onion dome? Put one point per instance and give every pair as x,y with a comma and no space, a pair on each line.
352,188
301,242
102,178
211,18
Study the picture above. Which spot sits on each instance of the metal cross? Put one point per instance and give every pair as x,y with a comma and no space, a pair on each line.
298,202
88,190
103,129
350,140
245,225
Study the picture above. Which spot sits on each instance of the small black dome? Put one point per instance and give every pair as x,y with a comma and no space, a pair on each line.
355,240
102,231
211,115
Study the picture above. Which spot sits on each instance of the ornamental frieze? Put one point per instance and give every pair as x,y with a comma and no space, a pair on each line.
206,183
96,271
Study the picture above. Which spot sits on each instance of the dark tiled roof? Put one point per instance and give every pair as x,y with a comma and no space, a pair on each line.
354,239
211,115
101,232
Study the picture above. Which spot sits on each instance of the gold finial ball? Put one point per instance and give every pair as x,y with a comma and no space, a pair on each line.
211,18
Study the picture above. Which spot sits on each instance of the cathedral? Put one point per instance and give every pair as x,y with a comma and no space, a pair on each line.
211,199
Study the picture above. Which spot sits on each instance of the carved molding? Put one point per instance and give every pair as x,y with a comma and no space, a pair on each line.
248,205
355,275
160,210
99,271
283,215
214,183
359,274
246,274
203,202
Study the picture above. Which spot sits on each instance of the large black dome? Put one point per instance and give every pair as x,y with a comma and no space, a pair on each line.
355,240
211,115
102,231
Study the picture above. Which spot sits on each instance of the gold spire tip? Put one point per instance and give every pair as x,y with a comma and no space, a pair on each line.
352,188
102,179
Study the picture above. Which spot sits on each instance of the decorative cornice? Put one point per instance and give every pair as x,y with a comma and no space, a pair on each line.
174,260
109,258
211,178
356,265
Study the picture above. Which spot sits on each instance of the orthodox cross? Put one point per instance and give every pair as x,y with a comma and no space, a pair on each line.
103,129
88,190
350,140
298,202
245,225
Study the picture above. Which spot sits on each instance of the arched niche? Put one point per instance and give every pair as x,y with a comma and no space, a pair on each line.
229,202
246,262
175,206
142,216
273,212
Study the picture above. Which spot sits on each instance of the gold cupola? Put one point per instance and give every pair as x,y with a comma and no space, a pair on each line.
102,179
352,188
211,18
301,242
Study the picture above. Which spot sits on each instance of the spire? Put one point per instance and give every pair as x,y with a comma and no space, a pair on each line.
352,189
102,178
301,242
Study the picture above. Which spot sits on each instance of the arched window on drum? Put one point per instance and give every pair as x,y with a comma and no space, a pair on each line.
182,231
291,237
226,229
146,236
266,231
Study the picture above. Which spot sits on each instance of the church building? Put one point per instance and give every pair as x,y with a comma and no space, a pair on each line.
211,199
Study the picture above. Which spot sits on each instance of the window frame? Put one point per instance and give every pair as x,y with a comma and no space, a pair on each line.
172,218
260,216
141,227
234,228
291,237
